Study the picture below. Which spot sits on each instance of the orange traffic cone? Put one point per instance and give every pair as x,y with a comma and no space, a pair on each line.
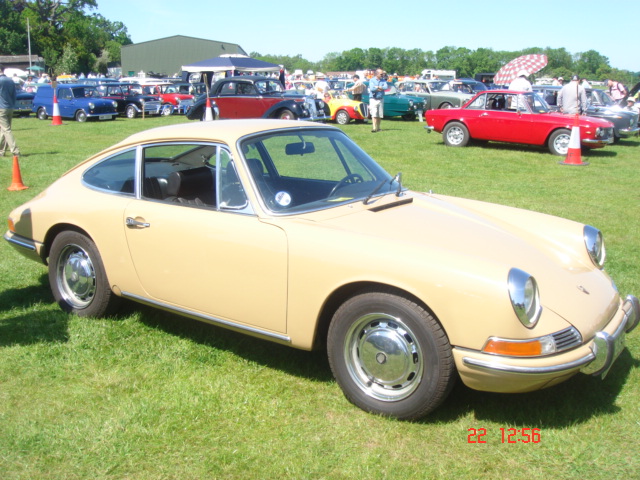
17,178
57,119
574,154
208,116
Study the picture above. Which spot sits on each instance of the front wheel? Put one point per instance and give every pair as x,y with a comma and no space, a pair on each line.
166,110
77,277
342,117
446,105
559,142
286,114
390,356
131,111
42,114
81,116
455,134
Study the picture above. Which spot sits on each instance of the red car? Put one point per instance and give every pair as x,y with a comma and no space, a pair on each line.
170,95
515,117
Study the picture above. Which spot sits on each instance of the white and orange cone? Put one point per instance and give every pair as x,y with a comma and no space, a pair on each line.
57,119
208,116
574,154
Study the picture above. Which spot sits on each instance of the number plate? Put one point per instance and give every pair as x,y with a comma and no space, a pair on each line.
105,117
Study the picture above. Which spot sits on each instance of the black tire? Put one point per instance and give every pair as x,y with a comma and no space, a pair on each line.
77,277
166,110
342,117
390,356
81,116
42,113
455,134
130,111
559,142
286,114
446,105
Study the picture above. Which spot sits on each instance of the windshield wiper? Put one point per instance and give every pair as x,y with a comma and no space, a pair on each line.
381,184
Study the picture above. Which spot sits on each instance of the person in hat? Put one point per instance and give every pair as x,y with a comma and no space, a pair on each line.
572,98
631,105
7,105
520,83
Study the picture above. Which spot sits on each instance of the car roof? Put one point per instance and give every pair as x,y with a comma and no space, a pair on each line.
221,130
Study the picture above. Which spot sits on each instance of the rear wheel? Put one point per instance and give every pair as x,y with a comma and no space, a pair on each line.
390,356
77,277
446,105
455,134
559,142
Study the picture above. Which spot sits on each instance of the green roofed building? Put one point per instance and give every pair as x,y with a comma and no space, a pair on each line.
166,56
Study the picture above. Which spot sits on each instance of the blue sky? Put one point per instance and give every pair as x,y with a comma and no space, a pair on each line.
314,29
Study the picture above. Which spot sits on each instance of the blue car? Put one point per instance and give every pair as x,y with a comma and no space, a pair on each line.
74,101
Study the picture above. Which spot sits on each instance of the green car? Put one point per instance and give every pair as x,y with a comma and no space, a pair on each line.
436,94
397,104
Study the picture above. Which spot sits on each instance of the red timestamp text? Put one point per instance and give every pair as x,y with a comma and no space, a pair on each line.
507,435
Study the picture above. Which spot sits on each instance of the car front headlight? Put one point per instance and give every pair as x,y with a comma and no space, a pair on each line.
594,242
524,296
91,105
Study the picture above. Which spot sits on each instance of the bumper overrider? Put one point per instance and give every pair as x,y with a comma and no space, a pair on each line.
509,374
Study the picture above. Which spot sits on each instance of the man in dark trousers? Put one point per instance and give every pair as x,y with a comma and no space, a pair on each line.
7,105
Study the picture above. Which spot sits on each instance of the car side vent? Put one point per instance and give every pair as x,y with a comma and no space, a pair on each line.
567,339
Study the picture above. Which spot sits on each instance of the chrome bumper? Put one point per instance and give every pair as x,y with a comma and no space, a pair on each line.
629,132
604,350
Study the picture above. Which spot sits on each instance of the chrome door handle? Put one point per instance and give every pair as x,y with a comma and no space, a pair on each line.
132,222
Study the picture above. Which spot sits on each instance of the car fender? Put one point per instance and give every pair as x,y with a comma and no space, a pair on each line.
295,107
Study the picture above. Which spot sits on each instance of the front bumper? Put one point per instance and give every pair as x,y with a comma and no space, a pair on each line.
510,374
629,132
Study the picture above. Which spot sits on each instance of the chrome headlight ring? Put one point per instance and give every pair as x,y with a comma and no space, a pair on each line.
525,297
594,243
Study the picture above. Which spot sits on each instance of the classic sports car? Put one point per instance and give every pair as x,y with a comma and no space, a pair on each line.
343,109
290,232
515,117
396,104
600,105
431,93
255,97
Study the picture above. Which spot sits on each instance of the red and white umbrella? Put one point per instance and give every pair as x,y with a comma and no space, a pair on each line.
530,63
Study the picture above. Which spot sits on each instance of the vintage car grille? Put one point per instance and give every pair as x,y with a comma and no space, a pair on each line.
103,109
363,109
567,339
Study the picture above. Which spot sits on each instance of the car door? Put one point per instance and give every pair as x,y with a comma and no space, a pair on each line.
219,261
65,102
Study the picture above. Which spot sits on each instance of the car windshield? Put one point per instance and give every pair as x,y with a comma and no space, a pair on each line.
438,86
313,169
598,97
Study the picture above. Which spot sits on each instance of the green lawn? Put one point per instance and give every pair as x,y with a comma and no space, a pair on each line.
148,395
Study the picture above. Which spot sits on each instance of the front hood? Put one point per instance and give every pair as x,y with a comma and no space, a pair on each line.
486,241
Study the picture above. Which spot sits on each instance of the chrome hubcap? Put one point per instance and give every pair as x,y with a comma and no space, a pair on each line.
455,135
76,276
383,357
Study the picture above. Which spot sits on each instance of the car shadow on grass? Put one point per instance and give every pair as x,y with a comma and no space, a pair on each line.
575,401
21,326
310,365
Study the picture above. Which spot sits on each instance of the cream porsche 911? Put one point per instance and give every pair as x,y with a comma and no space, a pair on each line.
289,231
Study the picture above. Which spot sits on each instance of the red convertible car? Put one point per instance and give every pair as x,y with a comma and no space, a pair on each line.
515,117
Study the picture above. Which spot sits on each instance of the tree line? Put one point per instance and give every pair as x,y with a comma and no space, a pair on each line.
465,62
72,38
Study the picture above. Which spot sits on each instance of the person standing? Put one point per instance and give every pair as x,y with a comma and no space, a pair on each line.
377,86
520,83
357,89
616,90
7,105
572,98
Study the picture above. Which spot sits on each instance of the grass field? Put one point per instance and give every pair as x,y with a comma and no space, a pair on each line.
148,395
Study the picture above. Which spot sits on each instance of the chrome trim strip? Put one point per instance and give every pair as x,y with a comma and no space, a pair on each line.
502,367
208,319
19,243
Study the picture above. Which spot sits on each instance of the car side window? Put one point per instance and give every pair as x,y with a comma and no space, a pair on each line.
181,174
64,93
115,174
479,103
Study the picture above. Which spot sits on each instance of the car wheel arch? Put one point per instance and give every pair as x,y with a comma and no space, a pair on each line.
347,291
56,230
